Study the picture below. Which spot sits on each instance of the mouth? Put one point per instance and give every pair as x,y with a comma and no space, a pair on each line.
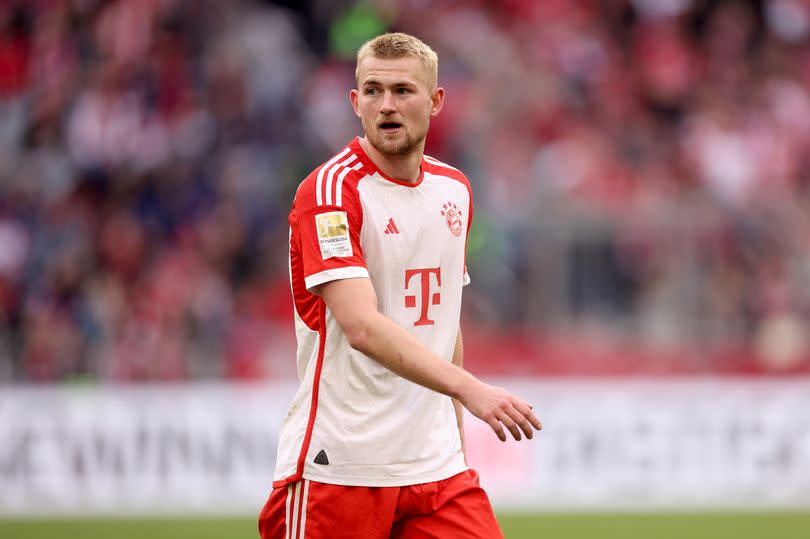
390,127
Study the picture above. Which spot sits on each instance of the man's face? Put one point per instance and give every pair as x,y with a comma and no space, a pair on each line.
395,103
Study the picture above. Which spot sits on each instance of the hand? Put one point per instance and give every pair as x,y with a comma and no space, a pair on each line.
499,408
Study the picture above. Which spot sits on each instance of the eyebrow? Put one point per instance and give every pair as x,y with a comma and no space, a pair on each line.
374,82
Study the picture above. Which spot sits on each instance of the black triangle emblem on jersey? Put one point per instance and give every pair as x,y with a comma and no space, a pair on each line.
321,458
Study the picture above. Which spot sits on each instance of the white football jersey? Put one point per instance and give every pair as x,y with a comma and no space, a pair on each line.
352,421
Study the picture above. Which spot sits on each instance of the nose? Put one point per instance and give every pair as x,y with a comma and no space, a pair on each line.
388,106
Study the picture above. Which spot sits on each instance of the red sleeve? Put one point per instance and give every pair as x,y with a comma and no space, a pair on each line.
328,236
466,279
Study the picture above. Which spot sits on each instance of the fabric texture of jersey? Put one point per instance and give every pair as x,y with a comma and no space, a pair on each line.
352,421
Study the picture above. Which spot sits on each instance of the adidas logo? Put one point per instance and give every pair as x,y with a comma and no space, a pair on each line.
392,227
321,458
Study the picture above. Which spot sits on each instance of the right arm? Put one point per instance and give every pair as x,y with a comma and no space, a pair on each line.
353,303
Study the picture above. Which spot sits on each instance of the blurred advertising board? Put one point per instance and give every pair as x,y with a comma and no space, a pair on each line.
607,444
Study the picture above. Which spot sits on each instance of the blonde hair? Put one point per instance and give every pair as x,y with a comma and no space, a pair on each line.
399,45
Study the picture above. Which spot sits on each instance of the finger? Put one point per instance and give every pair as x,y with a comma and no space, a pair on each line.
534,420
510,424
521,420
496,426
526,411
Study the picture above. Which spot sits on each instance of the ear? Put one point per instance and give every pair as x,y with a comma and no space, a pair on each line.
353,96
437,101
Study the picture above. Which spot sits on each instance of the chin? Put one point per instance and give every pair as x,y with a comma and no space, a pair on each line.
396,149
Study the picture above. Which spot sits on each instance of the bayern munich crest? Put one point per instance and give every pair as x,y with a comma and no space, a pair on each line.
453,216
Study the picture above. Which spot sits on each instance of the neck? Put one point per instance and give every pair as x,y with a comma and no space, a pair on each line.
400,167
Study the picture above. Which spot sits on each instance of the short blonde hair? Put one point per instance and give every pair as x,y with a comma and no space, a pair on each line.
399,45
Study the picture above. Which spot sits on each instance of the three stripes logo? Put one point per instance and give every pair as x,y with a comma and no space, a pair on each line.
392,227
295,509
329,186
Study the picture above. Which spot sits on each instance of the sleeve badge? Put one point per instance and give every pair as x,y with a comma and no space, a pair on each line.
333,234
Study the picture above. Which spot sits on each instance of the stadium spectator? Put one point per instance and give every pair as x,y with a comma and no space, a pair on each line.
640,167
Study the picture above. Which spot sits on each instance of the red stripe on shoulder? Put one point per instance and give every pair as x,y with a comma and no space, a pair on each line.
349,194
434,166
343,189
313,190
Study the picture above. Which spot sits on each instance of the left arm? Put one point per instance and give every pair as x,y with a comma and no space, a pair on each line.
458,360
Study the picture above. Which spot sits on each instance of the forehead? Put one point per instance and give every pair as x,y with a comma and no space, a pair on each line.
392,70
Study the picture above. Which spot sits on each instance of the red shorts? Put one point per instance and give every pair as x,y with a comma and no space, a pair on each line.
456,508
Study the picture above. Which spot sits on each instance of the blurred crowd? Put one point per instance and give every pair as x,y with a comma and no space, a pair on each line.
641,171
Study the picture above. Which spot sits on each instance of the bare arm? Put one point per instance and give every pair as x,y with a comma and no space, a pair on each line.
458,360
353,303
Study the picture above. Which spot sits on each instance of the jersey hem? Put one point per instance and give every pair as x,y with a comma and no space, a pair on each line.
335,275
400,481
278,483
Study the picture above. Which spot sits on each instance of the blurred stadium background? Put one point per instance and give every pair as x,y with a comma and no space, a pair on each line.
640,253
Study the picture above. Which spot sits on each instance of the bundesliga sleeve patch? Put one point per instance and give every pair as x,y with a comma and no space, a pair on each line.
333,234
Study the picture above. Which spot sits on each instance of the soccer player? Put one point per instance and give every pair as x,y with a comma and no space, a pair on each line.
372,445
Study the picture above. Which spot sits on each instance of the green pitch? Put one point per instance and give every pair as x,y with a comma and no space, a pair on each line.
551,526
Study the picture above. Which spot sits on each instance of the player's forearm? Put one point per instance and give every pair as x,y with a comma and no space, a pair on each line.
353,303
383,340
